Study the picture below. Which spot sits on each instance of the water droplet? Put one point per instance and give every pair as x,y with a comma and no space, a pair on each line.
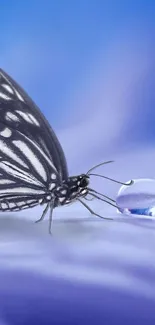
138,198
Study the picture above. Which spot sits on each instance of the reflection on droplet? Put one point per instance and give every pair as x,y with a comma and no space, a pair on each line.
138,198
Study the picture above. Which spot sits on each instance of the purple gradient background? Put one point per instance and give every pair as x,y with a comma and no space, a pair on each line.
90,66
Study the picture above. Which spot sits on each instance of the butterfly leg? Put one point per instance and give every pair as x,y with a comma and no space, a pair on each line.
91,211
43,214
50,217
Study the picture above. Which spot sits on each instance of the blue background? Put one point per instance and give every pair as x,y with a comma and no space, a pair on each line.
90,67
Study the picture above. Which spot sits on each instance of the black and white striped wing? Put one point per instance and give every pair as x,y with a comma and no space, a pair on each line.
25,177
18,202
19,112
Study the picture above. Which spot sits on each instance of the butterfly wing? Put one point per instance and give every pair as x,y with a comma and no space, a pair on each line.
26,172
16,203
19,112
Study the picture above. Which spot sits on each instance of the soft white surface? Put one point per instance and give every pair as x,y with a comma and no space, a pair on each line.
83,249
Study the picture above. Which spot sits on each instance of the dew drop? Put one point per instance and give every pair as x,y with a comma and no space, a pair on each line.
138,199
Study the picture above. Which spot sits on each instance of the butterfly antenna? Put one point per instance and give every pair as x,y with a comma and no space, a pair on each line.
113,180
96,166
105,196
99,198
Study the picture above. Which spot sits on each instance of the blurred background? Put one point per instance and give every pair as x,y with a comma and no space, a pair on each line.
90,67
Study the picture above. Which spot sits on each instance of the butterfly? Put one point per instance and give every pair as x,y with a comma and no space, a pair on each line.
33,167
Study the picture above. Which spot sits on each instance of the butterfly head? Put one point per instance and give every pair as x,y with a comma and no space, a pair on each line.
83,181
71,189
77,185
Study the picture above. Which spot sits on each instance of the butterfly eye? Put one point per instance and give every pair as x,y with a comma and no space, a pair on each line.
84,182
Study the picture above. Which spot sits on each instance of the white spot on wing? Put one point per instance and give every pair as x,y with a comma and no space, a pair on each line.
4,205
6,150
2,95
24,116
31,157
12,205
61,199
34,120
63,192
19,95
5,181
6,133
30,201
18,203
53,176
11,116
51,186
8,88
